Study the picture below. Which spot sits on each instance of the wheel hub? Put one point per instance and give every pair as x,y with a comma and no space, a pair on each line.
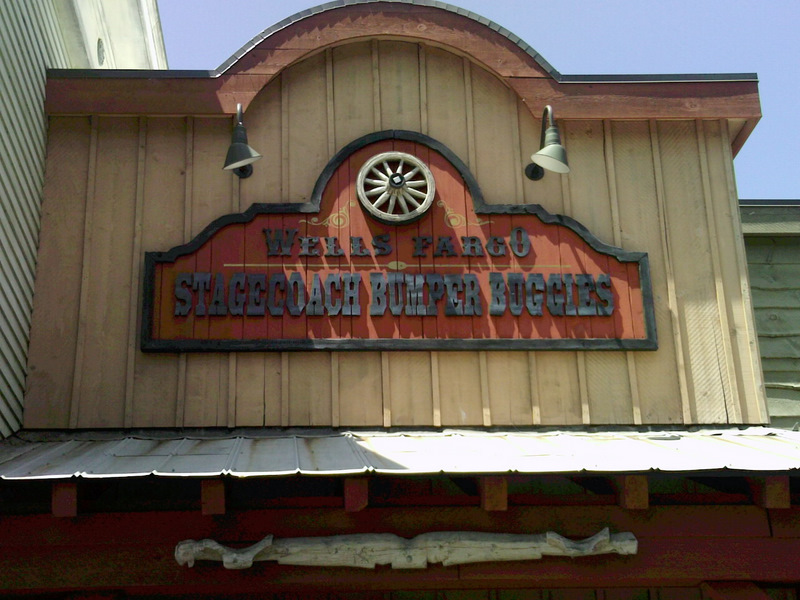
396,180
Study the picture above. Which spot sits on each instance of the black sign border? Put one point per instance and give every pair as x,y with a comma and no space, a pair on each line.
151,259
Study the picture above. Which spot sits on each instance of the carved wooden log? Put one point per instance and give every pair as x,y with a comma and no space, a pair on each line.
371,549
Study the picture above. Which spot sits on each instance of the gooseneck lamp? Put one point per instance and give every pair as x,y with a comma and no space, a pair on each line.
240,157
551,155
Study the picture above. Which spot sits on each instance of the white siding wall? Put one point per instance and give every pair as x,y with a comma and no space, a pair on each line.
30,41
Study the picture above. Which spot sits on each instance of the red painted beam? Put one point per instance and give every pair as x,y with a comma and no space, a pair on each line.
64,499
660,562
572,521
733,590
212,496
494,492
356,494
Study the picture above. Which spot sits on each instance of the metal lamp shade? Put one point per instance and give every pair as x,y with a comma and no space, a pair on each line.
552,156
239,153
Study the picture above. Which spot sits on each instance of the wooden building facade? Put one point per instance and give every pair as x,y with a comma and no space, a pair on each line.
151,182
631,313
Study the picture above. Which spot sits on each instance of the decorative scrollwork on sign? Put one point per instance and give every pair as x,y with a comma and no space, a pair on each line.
397,265
453,219
371,549
340,218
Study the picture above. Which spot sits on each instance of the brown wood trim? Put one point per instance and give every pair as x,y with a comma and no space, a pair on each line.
396,21
633,492
64,499
493,492
744,133
770,491
642,100
356,494
212,496
218,96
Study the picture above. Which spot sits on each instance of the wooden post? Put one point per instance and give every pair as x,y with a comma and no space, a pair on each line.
212,496
771,491
356,494
733,590
64,499
633,492
494,492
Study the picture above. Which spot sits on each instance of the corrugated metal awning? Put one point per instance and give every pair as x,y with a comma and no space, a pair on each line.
269,454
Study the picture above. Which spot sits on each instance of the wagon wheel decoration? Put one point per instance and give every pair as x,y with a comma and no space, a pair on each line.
395,188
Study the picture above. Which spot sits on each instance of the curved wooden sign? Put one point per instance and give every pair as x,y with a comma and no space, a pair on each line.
328,275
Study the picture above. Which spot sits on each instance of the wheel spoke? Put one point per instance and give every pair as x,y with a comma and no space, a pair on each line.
410,199
375,171
416,193
392,200
378,182
387,167
376,191
417,183
400,166
381,199
403,206
412,172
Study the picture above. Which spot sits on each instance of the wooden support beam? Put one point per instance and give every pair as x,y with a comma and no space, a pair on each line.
633,492
494,492
733,590
212,496
64,499
356,494
770,491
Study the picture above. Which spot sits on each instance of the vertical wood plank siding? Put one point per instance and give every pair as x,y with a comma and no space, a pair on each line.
774,265
29,44
659,187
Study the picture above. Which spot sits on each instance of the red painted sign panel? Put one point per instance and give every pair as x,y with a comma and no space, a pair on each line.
396,250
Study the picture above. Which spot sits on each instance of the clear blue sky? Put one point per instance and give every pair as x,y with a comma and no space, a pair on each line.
586,37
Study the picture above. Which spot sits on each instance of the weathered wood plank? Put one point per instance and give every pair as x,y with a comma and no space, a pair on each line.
459,377
607,383
353,92
155,385
698,310
410,388
360,389
107,265
206,400
642,229
737,364
58,278
309,388
398,63
306,88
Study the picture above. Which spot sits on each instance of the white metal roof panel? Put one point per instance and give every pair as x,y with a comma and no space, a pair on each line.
268,453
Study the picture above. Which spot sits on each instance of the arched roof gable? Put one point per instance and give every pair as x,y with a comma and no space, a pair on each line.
339,22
